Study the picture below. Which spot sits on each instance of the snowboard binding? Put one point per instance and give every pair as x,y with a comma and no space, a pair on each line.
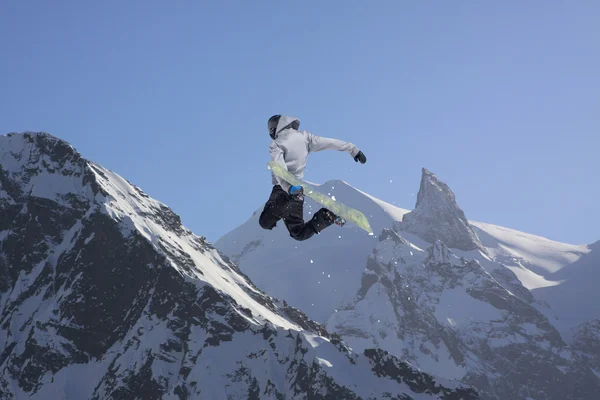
339,221
331,217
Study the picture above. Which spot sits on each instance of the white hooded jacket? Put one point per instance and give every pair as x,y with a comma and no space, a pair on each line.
290,148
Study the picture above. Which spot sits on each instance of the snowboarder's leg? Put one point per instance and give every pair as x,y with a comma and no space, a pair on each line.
274,208
299,230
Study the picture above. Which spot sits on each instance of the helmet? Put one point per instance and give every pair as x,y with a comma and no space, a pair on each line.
272,124
294,123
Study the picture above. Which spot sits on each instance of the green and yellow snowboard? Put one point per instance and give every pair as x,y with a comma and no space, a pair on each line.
339,209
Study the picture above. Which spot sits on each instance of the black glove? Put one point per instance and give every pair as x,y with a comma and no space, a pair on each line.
360,157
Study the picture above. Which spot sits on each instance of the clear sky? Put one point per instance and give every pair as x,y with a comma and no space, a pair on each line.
501,99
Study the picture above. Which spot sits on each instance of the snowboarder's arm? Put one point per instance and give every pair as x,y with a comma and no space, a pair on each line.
318,143
277,156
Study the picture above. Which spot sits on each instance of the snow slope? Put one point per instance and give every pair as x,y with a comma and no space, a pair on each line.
577,297
326,266
542,256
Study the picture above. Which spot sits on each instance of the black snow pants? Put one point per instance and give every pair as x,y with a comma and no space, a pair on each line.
282,205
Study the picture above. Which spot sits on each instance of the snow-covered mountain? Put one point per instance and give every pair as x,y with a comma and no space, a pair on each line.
498,310
449,316
106,295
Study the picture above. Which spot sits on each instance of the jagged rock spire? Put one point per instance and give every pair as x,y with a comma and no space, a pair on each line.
437,216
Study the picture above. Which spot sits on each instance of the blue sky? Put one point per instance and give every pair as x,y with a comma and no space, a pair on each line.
500,99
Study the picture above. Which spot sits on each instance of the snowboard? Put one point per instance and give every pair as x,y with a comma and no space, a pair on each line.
341,210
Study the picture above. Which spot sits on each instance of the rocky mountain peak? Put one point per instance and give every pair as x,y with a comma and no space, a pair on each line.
437,216
104,294
29,148
39,165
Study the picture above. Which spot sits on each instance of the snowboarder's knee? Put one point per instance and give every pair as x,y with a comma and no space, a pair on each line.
265,222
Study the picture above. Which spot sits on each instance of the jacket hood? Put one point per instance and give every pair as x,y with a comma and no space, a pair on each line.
284,122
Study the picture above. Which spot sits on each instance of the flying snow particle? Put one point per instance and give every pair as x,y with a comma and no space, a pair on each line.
411,253
378,320
323,273
311,261
335,310
339,237
390,181
333,198
329,275
371,234
409,299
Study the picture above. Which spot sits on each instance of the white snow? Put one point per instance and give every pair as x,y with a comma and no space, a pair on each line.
324,362
544,254
530,279
89,239
124,204
395,213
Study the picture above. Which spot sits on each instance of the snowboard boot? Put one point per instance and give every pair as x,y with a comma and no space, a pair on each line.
299,195
332,218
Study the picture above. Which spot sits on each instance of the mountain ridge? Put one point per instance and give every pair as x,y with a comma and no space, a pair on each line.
104,294
340,271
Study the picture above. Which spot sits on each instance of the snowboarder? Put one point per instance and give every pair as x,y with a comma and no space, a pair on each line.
290,148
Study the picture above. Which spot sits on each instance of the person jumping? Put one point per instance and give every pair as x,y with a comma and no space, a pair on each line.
290,148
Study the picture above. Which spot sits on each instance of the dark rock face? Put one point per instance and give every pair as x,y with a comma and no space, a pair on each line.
586,341
437,216
384,364
105,295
